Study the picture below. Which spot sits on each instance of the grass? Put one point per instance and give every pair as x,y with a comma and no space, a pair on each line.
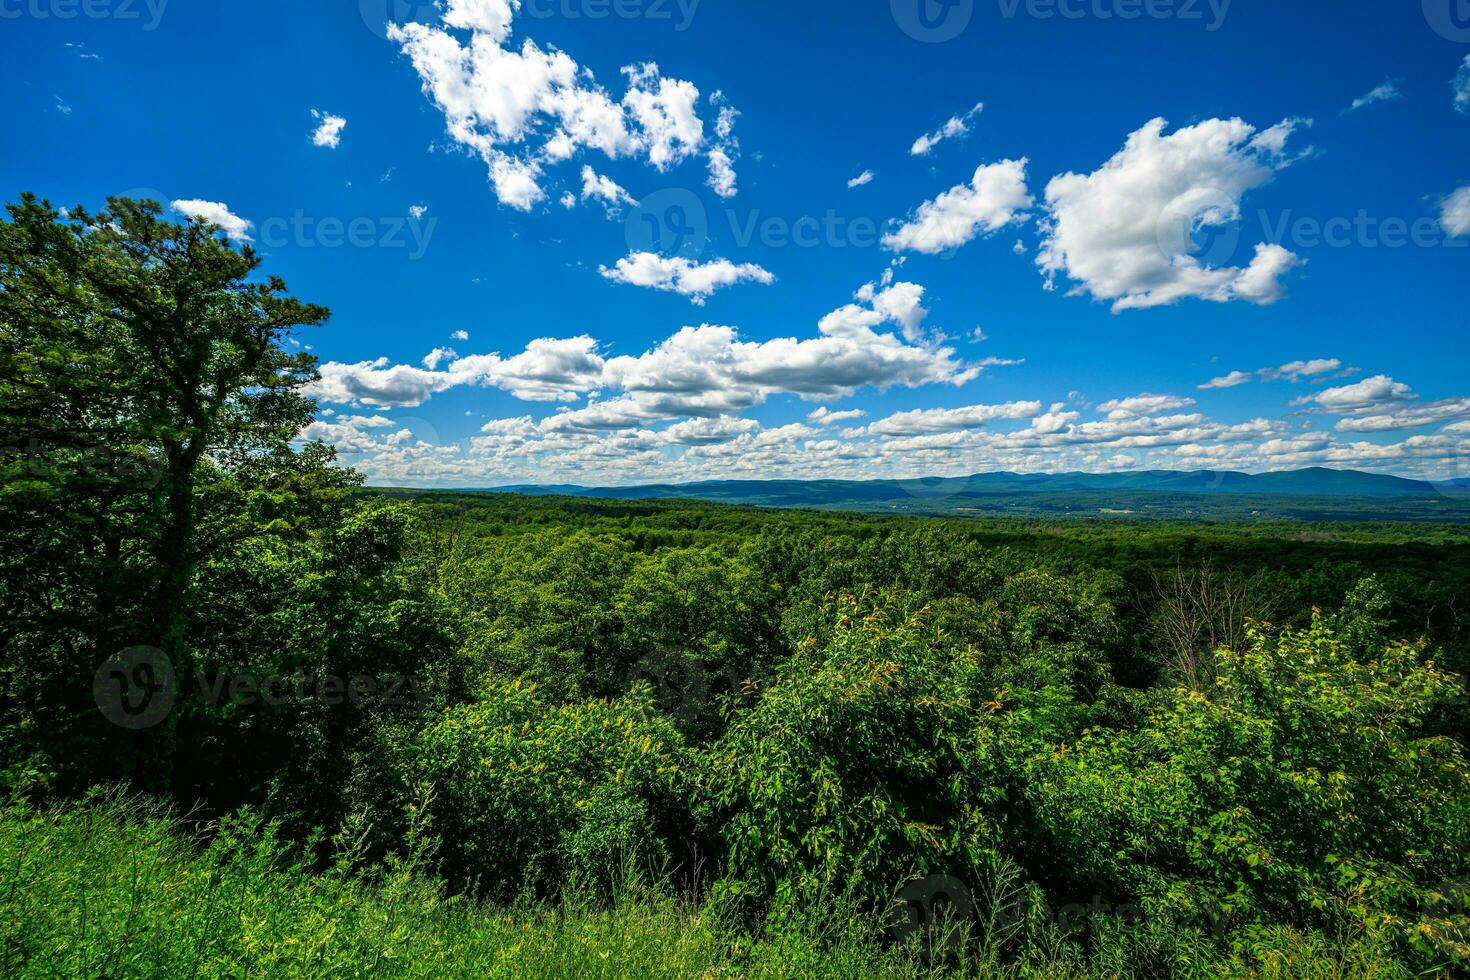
119,887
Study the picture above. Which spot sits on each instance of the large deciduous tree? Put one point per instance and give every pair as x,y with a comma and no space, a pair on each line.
134,352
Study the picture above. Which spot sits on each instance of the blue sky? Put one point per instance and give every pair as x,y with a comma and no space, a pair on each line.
671,278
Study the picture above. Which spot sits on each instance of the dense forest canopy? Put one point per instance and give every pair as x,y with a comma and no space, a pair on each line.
238,688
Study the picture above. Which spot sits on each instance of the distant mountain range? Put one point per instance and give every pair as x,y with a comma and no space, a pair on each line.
1070,492
1316,482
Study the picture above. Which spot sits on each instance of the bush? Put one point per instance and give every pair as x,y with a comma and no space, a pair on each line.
532,796
1303,788
886,756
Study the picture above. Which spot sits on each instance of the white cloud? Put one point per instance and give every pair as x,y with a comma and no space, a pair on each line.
417,212
935,420
1366,396
216,214
437,356
684,276
825,416
1140,405
722,155
523,109
1454,213
460,335
1298,370
1126,232
994,198
862,179
1413,417
637,437
329,128
709,432
1294,372
604,189
1232,380
702,371
956,126
721,172
1387,92
1462,87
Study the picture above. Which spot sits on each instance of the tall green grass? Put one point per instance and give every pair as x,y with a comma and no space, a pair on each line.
119,887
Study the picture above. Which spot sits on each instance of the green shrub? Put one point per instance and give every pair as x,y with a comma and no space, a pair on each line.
885,756
531,795
1303,788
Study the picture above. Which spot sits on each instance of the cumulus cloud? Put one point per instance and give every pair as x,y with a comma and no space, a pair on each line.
680,421
934,420
1387,92
676,274
1293,371
994,198
328,132
1232,380
726,148
1454,213
596,187
1298,370
862,179
1431,413
524,109
709,432
1140,405
215,213
1366,396
1128,232
1462,87
825,416
956,126
703,371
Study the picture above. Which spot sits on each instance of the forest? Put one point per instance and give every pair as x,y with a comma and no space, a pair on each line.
257,718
